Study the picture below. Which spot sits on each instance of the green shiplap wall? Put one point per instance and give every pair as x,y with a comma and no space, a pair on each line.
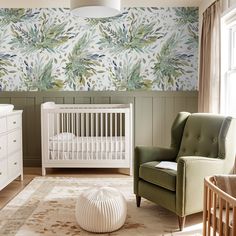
153,114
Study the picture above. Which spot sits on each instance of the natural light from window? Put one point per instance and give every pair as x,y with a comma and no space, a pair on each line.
228,58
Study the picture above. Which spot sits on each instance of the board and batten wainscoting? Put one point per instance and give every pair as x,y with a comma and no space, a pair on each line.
154,113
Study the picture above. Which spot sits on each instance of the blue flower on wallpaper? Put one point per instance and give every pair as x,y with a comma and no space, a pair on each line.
141,49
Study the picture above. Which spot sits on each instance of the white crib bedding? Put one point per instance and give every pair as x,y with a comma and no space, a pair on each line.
88,144
59,155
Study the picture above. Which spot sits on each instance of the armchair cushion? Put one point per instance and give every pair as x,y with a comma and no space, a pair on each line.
200,137
162,177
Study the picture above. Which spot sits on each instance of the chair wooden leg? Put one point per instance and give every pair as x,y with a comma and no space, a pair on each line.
138,200
181,222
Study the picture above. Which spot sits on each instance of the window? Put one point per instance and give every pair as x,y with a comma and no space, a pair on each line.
228,57
233,47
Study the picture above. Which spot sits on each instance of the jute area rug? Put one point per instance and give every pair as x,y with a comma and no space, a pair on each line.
47,207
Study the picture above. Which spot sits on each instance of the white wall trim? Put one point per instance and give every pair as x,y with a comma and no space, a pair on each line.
125,3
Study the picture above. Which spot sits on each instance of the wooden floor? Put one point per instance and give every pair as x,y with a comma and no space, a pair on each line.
29,173
16,186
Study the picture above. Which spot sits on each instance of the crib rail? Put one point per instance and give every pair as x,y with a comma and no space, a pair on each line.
87,135
219,214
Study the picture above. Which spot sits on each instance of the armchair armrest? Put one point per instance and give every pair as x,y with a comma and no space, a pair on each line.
145,154
191,172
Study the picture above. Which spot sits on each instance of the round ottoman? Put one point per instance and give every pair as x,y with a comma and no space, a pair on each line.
101,210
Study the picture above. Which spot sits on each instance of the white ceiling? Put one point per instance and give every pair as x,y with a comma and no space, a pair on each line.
125,3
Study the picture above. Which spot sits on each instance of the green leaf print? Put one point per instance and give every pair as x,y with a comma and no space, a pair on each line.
170,63
128,77
48,36
186,15
39,77
15,15
137,37
82,63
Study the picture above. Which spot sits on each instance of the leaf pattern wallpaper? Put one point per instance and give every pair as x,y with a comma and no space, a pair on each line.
151,49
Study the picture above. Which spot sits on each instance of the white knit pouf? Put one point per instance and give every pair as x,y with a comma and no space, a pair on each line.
101,210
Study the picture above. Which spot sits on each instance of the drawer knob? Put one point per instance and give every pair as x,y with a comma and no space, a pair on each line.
14,141
0,173
15,163
0,148
14,122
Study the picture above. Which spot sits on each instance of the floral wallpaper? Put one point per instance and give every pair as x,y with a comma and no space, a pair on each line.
141,49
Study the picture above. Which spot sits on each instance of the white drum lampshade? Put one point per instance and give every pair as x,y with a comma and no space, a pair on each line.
95,8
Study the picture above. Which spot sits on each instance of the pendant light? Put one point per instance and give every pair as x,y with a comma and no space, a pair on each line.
95,8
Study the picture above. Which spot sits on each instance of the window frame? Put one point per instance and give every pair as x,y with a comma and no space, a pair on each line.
228,61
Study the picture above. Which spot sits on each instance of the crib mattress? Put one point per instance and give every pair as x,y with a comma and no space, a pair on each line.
59,155
88,144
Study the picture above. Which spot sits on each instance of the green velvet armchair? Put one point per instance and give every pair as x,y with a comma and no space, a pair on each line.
202,145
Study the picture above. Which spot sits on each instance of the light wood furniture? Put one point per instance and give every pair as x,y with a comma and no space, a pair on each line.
219,213
11,165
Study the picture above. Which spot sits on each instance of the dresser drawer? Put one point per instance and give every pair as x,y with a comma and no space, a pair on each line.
13,122
3,172
3,146
3,124
14,141
14,165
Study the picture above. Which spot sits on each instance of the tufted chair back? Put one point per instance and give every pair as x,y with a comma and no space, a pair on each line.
204,135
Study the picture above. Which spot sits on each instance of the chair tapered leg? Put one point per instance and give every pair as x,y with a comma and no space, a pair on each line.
181,222
138,200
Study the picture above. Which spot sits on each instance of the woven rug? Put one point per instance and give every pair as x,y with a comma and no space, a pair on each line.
47,207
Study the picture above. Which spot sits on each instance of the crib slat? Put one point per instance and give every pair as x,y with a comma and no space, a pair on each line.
78,124
127,135
220,216
88,157
87,134
106,129
62,121
77,133
87,123
52,125
92,133
58,131
111,129
82,124
233,221
115,135
67,122
214,214
73,131
209,211
96,149
101,143
227,219
82,135
48,132
121,143
67,139
205,209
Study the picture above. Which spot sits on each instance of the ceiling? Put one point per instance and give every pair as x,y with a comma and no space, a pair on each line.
124,3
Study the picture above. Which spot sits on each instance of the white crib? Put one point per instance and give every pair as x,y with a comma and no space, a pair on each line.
86,135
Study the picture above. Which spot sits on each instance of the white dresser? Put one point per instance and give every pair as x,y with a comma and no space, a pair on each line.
11,164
